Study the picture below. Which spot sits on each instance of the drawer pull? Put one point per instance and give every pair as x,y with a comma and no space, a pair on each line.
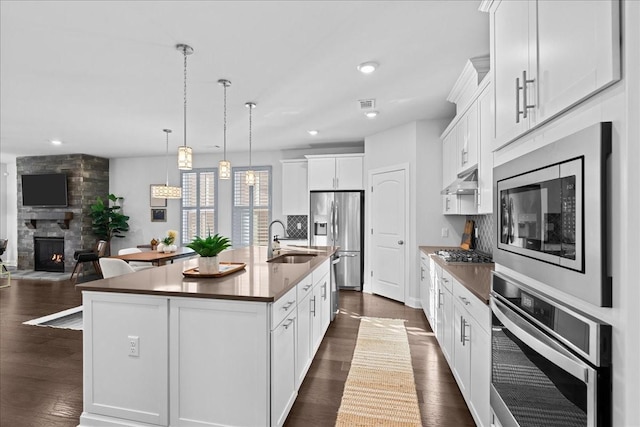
465,301
288,305
306,288
289,323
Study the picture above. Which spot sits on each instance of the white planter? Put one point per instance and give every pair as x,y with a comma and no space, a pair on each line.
170,248
208,265
160,247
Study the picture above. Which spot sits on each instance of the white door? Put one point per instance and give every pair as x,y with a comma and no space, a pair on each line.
388,222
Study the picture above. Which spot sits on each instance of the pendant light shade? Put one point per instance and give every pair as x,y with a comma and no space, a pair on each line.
185,153
250,175
224,167
166,191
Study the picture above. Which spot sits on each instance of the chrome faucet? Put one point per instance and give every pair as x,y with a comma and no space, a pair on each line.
270,244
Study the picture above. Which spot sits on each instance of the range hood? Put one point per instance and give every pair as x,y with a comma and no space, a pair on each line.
466,183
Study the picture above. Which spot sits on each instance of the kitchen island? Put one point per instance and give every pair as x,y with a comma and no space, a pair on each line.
163,349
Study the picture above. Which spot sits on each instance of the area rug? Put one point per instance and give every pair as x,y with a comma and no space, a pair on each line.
380,388
66,319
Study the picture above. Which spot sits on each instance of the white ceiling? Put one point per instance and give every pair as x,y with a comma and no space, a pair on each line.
105,77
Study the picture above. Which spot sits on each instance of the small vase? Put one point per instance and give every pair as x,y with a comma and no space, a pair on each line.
160,247
208,265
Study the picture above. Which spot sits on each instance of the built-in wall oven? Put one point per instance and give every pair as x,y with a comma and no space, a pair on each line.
550,363
551,214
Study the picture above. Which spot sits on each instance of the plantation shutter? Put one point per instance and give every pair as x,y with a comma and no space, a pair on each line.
199,196
251,207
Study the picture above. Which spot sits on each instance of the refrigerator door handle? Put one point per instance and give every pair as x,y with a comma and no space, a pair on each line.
332,230
336,225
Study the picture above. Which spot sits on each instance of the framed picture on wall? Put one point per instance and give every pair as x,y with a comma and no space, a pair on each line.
158,215
156,203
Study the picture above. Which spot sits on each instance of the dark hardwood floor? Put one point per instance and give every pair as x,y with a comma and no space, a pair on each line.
41,368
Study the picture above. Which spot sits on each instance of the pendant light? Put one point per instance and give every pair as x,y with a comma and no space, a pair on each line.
250,174
165,191
185,154
224,167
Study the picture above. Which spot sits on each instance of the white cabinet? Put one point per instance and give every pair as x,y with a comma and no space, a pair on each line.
467,140
444,315
471,363
304,331
454,204
338,172
485,160
449,148
295,193
536,77
325,304
425,291
283,373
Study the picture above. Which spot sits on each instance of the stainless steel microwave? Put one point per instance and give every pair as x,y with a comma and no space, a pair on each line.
551,221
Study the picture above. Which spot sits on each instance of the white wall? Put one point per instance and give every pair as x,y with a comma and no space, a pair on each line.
619,104
9,208
131,177
419,145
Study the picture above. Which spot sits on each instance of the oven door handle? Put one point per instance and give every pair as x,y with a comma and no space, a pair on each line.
540,342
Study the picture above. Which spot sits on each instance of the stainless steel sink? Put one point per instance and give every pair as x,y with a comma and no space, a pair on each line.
292,258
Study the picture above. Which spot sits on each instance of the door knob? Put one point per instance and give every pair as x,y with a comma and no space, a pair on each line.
401,242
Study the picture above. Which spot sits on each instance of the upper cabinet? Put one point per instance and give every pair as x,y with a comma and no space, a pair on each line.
295,194
467,135
485,158
335,172
548,56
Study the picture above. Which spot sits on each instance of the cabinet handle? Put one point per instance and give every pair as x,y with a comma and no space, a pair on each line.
525,105
324,291
313,300
464,300
463,327
439,298
446,208
421,273
337,182
289,323
306,288
288,305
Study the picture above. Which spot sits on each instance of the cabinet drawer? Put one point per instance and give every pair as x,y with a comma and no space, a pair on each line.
304,287
474,306
321,271
283,307
446,280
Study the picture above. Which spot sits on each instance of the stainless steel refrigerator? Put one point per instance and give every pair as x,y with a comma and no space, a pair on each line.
337,219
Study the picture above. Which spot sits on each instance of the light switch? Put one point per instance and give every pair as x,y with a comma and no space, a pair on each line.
445,232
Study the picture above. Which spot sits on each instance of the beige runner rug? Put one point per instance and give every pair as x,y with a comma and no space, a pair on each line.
380,389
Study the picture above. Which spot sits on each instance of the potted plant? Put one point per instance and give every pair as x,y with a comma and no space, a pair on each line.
107,221
208,249
167,245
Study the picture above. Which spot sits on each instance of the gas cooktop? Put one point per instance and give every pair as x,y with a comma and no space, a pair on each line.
460,256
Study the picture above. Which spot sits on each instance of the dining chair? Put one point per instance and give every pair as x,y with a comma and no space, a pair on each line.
137,265
84,256
112,267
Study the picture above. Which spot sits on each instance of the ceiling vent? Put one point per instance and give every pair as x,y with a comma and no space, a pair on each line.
367,104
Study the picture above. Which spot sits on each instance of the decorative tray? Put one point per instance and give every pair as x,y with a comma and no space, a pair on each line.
226,268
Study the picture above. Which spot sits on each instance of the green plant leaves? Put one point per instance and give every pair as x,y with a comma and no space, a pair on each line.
209,246
107,222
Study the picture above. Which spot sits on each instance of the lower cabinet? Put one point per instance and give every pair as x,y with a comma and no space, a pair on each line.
284,382
461,323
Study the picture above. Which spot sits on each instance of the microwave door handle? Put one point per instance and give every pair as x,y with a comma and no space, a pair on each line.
540,342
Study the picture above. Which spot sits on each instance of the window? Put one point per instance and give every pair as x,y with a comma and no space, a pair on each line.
251,207
199,196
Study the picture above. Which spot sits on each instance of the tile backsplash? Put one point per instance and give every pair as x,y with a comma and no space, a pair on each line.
292,226
484,224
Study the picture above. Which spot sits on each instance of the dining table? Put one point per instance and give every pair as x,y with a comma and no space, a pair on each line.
157,258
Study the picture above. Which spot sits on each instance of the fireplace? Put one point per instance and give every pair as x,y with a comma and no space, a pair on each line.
48,254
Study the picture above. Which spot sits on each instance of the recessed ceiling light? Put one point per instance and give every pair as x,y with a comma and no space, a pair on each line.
367,67
371,114
313,132
56,142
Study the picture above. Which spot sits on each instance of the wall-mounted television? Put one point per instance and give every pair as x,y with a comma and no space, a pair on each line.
44,190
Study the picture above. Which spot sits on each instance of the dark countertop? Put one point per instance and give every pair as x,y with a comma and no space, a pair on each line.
259,281
475,277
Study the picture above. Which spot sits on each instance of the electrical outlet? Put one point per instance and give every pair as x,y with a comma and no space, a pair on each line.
299,226
445,232
134,346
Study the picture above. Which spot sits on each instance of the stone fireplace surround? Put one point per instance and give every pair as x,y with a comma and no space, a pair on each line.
87,178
